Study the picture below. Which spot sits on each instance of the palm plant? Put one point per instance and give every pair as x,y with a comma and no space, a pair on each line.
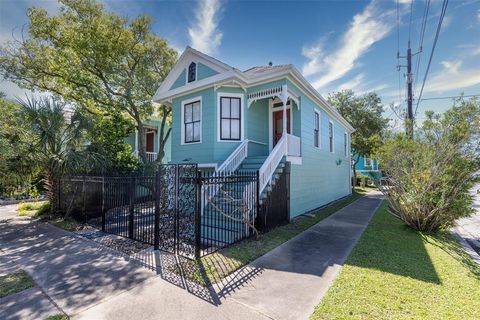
57,140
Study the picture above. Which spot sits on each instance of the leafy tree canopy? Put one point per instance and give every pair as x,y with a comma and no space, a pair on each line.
94,58
364,113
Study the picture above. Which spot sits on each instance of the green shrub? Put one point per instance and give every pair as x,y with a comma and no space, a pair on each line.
430,176
33,209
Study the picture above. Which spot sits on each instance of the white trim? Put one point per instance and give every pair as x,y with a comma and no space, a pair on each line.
182,124
333,137
208,165
270,121
294,160
315,111
363,170
242,115
196,72
368,165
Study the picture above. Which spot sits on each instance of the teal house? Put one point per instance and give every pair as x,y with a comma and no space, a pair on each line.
228,120
368,167
152,138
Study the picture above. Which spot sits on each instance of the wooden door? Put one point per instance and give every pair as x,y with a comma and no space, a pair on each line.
150,142
278,125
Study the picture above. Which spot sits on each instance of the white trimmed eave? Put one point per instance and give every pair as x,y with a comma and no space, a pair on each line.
238,77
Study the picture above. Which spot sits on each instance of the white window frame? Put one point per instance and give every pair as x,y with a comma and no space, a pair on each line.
331,148
365,162
196,72
182,130
315,111
345,137
242,115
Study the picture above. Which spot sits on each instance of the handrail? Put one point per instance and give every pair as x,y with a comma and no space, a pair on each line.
271,163
235,159
258,142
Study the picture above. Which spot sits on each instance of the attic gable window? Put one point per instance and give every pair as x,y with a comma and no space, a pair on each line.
192,72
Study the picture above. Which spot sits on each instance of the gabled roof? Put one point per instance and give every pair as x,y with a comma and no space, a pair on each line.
249,77
265,70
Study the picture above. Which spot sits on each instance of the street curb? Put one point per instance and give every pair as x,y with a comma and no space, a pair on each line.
466,246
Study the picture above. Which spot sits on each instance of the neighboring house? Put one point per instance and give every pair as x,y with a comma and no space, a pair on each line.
228,120
152,137
368,167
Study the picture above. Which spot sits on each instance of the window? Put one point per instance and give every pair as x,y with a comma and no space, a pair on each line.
192,122
316,129
230,118
345,144
330,135
368,162
192,72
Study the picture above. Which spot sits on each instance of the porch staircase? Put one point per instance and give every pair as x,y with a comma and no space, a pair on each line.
219,230
253,164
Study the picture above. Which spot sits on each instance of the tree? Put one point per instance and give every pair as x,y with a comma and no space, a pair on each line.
94,58
106,136
365,115
16,170
431,174
57,142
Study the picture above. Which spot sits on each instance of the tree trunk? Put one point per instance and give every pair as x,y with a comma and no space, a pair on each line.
142,142
51,187
163,136
355,171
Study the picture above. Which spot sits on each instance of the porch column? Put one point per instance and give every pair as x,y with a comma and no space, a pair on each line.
135,144
284,101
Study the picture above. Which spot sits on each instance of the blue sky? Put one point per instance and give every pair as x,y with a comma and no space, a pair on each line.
335,44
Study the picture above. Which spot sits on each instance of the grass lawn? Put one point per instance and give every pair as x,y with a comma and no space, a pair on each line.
216,266
395,272
15,282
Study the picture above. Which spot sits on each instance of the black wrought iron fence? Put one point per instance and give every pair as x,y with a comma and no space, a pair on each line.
177,209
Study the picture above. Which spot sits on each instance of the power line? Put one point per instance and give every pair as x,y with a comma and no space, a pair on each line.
439,26
422,36
452,97
410,23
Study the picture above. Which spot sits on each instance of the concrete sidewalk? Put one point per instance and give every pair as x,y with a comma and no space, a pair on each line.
286,283
89,282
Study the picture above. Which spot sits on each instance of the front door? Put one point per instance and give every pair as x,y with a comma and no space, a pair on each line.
150,141
278,125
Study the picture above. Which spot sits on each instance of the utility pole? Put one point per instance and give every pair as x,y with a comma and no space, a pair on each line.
409,75
409,120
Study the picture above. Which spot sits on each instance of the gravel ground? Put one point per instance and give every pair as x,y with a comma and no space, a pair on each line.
124,245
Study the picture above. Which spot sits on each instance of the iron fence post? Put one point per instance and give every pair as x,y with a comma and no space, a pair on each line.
103,203
132,206
84,199
257,200
156,228
198,217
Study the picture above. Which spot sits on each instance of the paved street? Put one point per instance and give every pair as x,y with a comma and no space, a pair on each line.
88,281
469,228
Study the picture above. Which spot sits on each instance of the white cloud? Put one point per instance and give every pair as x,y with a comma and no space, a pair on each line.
204,34
361,86
366,28
452,76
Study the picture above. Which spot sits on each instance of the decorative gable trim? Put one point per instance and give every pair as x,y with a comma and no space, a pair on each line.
188,56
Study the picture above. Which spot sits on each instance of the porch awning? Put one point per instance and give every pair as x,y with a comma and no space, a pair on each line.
281,92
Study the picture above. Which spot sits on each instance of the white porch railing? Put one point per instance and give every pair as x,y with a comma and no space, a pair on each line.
271,163
235,159
151,156
293,145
